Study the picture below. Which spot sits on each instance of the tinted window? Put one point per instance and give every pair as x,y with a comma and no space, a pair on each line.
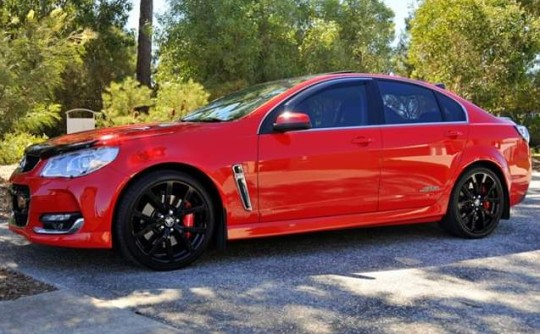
241,103
407,103
452,111
340,105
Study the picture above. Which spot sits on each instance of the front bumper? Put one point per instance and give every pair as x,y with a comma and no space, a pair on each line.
89,199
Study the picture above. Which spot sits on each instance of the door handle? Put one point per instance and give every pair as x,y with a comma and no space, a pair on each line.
453,134
363,141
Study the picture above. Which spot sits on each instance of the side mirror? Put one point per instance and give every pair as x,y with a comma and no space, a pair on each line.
289,121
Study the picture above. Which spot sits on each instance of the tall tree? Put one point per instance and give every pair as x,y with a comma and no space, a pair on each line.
482,49
228,44
144,47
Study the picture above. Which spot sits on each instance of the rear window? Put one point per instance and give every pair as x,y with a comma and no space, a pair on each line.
452,111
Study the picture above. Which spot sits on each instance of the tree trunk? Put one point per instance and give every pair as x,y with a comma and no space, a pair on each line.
144,47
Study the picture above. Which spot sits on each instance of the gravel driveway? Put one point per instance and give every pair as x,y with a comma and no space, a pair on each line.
395,279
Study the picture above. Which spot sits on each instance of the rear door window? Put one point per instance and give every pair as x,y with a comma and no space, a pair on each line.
406,103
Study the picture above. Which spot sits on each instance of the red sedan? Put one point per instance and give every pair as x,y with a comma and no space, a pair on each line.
307,154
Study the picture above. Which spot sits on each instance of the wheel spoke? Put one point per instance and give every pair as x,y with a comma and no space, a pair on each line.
155,202
463,204
186,242
475,185
194,209
492,199
487,213
156,244
147,229
468,217
140,215
195,229
168,192
472,222
168,246
465,190
187,196
484,179
493,187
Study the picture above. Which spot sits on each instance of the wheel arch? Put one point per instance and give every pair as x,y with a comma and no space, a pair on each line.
220,235
498,170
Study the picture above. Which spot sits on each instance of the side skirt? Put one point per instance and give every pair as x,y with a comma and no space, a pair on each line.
396,217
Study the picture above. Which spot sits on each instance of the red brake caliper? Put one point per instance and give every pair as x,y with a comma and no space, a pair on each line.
188,219
485,204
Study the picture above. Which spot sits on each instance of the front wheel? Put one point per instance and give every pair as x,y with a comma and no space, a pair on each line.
165,220
476,204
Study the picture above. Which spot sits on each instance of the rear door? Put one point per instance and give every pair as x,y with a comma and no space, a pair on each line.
423,137
331,169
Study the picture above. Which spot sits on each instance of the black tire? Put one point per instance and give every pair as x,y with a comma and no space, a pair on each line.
164,221
476,204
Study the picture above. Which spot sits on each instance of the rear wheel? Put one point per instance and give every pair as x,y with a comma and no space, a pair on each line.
165,220
476,204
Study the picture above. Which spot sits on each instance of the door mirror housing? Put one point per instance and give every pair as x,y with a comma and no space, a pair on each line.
289,121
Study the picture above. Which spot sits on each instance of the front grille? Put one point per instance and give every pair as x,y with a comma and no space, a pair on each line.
20,203
29,162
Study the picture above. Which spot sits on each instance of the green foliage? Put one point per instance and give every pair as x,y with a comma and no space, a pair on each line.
248,41
109,56
482,49
129,102
12,146
33,58
176,99
124,101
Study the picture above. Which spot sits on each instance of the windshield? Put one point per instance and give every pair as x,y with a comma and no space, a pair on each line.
241,103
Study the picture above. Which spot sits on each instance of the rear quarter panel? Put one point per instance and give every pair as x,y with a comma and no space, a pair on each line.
497,141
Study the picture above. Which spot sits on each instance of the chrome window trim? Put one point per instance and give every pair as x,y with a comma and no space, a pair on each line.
379,126
466,121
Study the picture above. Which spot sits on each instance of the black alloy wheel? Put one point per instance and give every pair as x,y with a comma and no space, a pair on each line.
476,204
165,220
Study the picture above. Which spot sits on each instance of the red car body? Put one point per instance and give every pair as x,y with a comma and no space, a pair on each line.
298,181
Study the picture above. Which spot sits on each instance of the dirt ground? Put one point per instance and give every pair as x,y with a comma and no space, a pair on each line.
14,285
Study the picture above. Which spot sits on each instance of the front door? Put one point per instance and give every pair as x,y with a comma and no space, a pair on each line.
329,170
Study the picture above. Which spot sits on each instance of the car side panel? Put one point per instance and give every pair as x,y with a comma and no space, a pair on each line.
418,162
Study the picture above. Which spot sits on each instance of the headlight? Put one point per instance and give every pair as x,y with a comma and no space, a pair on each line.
79,163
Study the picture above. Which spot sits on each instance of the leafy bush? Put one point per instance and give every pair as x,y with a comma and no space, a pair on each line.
13,145
128,102
123,102
34,52
176,99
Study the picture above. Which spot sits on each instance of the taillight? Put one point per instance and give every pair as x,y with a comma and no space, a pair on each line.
523,132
